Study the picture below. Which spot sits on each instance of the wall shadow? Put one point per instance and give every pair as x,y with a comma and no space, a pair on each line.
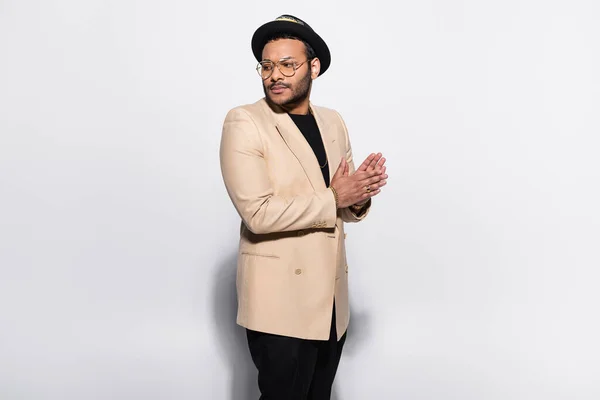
358,333
231,337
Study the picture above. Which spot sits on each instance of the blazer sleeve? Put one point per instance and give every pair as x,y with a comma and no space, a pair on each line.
246,179
347,214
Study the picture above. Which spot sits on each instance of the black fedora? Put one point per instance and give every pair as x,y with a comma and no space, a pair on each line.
296,27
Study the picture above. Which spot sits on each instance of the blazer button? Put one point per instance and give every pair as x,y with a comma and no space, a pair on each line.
298,271
300,233
346,267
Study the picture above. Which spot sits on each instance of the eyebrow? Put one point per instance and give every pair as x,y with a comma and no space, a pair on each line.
281,59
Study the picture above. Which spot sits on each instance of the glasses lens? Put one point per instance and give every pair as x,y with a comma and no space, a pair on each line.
287,68
265,69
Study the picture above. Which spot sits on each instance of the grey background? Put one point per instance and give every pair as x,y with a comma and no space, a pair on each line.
474,278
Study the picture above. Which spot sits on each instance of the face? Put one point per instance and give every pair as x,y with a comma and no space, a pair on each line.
289,92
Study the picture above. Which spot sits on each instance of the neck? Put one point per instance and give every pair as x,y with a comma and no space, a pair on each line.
301,108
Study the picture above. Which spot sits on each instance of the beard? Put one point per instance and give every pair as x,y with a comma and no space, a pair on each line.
299,92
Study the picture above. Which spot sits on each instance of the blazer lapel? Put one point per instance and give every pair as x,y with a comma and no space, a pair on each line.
299,146
328,140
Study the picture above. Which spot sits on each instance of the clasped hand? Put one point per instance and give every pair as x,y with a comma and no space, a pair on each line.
364,183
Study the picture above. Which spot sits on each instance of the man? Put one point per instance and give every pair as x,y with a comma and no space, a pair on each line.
277,156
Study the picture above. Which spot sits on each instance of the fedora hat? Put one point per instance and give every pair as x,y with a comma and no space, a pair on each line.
288,24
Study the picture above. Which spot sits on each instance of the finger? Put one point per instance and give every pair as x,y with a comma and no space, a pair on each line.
369,187
376,185
374,161
366,175
371,161
381,161
365,164
380,184
361,177
365,196
376,179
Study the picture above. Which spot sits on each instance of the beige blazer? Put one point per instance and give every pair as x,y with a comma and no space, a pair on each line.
292,255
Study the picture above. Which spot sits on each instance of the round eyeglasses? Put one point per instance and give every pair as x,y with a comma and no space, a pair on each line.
286,67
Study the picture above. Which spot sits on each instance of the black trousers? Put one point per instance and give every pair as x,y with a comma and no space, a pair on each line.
295,369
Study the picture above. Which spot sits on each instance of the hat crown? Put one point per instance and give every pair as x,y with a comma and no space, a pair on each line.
291,18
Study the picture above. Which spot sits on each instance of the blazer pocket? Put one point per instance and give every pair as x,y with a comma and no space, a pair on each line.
251,253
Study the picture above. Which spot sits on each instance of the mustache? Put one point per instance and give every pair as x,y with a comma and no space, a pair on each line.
278,84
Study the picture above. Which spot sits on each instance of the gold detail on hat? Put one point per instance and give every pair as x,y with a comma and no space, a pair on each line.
282,18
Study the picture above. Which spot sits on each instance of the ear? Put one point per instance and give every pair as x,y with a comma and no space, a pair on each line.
315,68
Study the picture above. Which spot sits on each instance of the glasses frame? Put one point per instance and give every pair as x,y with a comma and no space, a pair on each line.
296,66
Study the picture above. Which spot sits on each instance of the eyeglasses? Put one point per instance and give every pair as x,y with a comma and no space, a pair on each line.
286,67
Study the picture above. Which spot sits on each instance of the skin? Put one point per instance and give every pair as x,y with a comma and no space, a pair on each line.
296,93
293,95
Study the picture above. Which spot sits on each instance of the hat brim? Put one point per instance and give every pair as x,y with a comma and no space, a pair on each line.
262,34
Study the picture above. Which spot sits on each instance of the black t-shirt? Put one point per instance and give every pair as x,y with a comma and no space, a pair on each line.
308,126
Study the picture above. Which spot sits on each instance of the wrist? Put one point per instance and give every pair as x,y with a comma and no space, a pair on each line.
335,196
359,206
356,207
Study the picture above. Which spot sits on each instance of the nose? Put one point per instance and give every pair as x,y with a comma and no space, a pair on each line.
276,75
